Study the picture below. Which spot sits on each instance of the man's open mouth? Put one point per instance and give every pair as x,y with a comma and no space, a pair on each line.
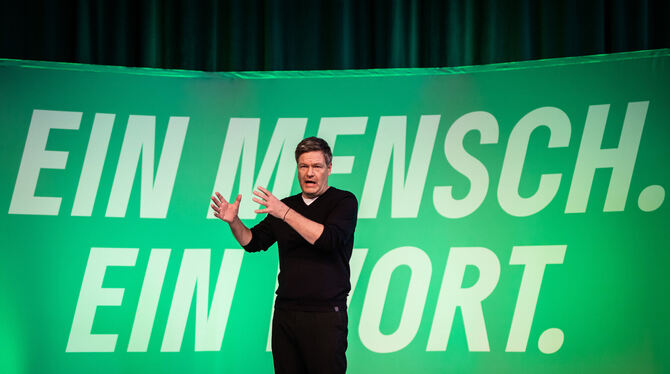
310,182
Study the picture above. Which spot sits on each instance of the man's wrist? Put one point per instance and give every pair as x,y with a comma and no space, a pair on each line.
235,221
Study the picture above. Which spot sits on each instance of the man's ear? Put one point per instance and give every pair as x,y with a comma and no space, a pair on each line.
330,167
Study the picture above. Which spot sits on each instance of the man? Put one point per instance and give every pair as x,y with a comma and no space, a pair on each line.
314,231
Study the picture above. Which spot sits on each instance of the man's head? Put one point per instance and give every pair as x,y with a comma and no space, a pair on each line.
314,160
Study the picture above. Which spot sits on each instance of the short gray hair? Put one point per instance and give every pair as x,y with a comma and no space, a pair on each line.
314,144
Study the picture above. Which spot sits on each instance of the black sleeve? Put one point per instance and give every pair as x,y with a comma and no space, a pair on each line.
262,236
339,226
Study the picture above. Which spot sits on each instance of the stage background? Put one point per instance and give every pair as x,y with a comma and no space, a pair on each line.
243,35
108,173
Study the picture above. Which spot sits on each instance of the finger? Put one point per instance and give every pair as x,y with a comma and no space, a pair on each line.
221,198
260,194
259,211
216,201
262,202
216,208
238,199
265,191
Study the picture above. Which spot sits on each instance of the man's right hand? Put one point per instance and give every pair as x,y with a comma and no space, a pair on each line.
224,210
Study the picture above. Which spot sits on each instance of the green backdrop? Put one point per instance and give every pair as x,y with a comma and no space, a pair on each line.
511,216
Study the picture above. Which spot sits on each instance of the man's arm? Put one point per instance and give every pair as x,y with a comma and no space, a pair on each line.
308,229
339,226
228,213
241,233
342,225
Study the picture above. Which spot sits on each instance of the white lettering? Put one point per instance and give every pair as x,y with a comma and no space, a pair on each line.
621,159
510,176
36,157
535,259
243,134
93,164
469,300
464,163
407,191
209,325
373,306
148,303
93,295
330,128
155,193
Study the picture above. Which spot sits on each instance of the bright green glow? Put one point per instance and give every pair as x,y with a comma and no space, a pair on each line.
12,331
544,63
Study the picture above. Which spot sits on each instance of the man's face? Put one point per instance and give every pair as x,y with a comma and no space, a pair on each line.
313,173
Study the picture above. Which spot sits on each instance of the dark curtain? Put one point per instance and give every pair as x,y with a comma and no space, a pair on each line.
225,35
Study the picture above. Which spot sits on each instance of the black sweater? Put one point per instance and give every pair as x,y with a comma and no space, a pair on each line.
312,276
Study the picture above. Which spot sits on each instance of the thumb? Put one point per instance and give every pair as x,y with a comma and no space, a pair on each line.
238,199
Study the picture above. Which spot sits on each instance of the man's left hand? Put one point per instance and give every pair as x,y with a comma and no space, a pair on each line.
272,205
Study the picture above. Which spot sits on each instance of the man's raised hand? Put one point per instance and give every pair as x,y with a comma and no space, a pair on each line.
224,210
273,206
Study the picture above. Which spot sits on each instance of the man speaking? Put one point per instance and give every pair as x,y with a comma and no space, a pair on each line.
314,231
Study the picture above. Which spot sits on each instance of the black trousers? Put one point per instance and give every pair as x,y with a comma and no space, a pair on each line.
309,342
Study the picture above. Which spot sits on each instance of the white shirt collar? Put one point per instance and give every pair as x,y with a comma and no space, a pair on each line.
307,200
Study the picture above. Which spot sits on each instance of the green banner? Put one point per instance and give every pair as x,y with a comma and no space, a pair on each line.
511,216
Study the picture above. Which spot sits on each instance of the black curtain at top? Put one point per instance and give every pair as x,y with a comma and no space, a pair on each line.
226,35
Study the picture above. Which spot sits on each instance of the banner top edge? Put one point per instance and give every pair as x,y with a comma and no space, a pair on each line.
49,65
